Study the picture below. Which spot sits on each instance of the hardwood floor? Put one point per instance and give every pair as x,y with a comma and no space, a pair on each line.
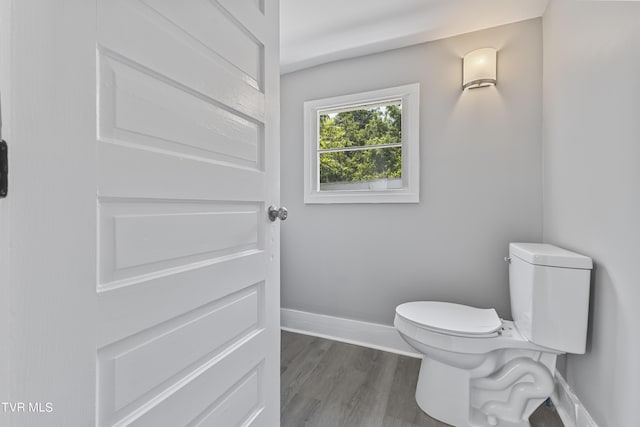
327,383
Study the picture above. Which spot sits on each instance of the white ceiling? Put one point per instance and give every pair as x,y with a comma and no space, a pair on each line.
318,31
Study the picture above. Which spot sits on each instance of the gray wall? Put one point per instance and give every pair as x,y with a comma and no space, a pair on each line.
480,184
592,187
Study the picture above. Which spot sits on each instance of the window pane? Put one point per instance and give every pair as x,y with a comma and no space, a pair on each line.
371,124
368,169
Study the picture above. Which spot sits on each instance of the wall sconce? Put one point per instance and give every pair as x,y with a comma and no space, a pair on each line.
479,68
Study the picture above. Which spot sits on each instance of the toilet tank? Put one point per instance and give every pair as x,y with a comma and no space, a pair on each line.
549,290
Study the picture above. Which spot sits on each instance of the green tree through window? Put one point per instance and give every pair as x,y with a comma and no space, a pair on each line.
362,144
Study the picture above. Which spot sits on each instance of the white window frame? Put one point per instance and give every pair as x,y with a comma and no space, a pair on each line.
410,191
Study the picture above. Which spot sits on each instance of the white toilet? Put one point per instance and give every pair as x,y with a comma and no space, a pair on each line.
480,370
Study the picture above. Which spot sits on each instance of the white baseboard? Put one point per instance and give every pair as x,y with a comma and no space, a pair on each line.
372,335
571,411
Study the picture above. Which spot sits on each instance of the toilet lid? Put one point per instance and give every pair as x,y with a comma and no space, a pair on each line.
451,318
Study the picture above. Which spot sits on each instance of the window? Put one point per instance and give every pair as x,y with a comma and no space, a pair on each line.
363,148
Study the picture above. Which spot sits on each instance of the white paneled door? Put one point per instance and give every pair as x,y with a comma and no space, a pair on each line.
141,283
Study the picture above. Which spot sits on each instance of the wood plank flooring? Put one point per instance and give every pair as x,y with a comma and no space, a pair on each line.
327,383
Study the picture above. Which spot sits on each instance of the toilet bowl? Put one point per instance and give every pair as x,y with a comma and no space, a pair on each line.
457,366
479,370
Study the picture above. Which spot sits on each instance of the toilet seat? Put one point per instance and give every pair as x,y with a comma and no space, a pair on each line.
451,319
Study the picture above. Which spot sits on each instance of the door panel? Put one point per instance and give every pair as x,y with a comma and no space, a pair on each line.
140,109
212,25
157,298
183,344
148,237
141,371
139,304
140,34
189,106
202,391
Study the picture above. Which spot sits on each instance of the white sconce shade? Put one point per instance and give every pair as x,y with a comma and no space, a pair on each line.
479,68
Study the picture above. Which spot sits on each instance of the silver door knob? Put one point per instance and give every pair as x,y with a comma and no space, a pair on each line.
275,213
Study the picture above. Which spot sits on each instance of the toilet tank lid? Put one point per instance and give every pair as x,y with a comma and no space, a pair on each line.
549,255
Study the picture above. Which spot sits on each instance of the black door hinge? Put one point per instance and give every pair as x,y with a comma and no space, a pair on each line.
4,162
4,169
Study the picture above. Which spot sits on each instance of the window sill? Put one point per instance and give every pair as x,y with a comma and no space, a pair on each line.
336,197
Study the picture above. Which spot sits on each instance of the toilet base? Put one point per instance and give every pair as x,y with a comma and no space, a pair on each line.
502,392
441,392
